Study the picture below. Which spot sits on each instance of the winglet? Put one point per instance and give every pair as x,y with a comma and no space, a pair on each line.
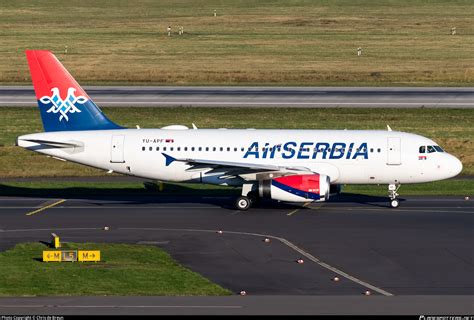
169,159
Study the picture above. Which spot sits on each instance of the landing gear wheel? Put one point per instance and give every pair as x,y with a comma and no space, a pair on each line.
254,199
243,203
392,194
394,203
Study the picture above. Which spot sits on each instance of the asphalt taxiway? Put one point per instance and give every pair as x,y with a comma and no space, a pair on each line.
296,97
422,249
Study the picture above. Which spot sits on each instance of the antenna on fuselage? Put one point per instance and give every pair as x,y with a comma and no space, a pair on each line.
388,128
194,126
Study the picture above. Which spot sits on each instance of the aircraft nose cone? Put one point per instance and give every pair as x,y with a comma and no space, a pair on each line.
456,166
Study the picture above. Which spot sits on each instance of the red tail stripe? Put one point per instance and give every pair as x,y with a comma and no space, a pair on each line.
47,73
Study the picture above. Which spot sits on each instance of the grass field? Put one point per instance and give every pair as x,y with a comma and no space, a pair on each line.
124,270
452,129
275,42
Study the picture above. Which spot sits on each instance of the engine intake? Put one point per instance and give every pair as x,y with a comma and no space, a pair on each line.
296,188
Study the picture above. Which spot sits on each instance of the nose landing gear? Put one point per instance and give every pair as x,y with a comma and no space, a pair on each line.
392,194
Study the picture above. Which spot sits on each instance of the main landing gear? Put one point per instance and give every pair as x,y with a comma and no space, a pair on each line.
245,202
249,197
392,194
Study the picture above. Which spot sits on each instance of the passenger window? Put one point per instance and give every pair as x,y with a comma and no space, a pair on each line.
143,148
422,149
185,148
157,148
242,149
431,149
378,150
151,148
164,148
228,149
171,149
207,148
192,148
179,148
214,149
200,148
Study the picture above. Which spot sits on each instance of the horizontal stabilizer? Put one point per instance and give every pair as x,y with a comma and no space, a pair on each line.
53,144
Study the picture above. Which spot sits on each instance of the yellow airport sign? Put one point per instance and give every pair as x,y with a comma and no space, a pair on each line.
52,256
69,255
89,256
55,241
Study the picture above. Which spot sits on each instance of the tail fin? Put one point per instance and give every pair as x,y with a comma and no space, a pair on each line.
63,104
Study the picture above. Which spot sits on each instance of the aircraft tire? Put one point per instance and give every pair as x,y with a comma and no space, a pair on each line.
394,203
243,203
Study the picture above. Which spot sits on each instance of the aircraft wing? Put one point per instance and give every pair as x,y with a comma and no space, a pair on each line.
236,167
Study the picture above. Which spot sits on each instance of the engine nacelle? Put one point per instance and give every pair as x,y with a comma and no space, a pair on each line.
296,188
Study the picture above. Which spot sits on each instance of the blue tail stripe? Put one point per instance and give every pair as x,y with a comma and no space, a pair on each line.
89,116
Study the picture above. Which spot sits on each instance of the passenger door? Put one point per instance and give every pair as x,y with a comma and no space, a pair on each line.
117,149
393,151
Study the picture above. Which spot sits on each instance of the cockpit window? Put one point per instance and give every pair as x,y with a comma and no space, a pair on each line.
438,148
422,149
431,149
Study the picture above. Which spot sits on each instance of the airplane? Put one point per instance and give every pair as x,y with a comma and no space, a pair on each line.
285,165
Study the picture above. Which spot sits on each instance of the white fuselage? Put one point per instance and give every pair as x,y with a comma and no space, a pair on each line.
346,156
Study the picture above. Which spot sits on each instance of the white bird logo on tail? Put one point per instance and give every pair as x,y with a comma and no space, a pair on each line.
64,106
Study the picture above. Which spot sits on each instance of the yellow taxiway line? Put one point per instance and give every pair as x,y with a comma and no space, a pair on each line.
296,210
46,207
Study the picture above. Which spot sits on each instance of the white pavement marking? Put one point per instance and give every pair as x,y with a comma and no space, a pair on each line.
335,270
282,240
290,245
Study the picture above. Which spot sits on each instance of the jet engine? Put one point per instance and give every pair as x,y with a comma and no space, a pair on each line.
296,188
